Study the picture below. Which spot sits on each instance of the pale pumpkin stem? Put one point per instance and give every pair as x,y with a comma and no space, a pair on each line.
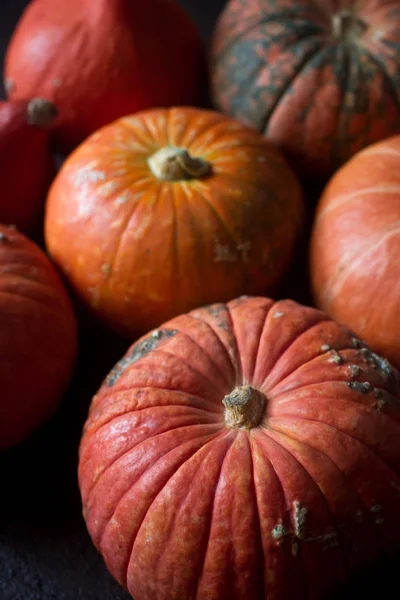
41,113
346,26
244,407
176,164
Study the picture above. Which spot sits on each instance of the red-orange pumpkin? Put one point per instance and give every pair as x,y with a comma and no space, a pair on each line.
355,247
26,163
319,78
38,340
171,209
243,451
98,60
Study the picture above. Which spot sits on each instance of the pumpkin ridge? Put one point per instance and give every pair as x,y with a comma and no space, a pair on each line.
237,352
260,337
310,56
349,70
132,449
186,462
161,484
191,368
257,512
370,450
219,341
286,348
266,443
214,210
124,229
207,355
339,280
351,483
282,17
133,411
28,298
345,479
211,519
344,198
282,400
258,441
381,66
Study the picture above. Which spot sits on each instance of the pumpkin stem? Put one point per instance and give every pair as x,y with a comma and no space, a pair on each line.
41,113
345,26
244,407
176,164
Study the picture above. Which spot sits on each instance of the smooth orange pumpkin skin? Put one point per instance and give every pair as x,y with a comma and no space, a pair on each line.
355,247
138,250
180,506
98,60
38,342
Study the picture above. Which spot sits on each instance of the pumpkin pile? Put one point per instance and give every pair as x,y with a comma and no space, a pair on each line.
243,447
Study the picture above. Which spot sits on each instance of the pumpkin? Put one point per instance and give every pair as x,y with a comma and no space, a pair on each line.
170,209
320,79
38,341
356,244
100,60
26,163
238,444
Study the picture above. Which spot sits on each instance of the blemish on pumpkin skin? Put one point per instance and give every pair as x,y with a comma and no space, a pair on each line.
299,519
9,85
362,387
354,371
138,351
106,268
278,315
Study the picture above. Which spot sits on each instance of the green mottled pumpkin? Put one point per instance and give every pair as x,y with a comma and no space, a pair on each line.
319,78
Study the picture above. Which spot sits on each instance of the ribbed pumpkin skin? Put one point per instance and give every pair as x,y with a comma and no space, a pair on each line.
277,65
138,250
355,247
180,506
98,60
38,341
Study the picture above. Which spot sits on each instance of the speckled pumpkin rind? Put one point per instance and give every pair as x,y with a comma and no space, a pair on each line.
321,97
182,506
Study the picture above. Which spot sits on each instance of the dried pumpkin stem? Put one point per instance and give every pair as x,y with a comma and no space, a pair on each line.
41,113
176,164
244,407
346,26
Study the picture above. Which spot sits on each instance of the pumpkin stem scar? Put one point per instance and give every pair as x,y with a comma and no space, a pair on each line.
176,164
346,26
41,113
244,407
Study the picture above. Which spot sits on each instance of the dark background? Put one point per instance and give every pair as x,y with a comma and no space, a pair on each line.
45,551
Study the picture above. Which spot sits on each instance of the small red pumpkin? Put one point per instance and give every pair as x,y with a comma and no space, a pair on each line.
247,450
98,60
320,79
171,209
26,164
355,247
38,341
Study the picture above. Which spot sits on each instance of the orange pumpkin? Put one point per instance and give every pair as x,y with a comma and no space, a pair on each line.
356,246
98,60
238,444
170,209
38,342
